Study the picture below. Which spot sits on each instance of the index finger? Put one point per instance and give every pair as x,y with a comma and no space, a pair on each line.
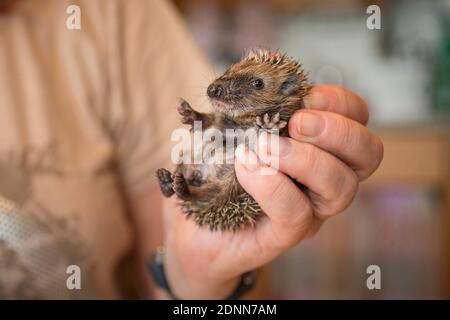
288,208
329,97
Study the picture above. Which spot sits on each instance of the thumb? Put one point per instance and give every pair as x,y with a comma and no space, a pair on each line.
287,207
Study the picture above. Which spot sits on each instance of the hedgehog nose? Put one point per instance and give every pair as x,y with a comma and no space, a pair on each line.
215,91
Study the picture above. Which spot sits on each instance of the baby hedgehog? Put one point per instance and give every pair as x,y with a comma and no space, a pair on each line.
261,91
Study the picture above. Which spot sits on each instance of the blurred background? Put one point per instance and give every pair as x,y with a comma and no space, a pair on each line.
400,220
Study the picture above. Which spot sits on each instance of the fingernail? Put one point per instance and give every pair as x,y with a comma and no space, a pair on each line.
316,100
247,158
311,125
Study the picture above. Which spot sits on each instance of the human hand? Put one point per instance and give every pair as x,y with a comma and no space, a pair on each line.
329,151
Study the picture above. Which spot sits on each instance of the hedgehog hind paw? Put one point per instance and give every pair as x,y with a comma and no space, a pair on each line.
180,186
165,182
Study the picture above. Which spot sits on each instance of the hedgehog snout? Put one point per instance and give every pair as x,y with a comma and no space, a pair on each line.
215,91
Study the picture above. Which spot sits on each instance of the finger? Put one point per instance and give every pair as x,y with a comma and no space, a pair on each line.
349,140
331,184
328,97
288,209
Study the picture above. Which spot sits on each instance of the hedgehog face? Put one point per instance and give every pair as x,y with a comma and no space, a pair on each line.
260,82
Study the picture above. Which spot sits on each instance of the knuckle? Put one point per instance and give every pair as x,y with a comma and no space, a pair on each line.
295,229
356,105
301,216
379,152
336,96
345,133
285,242
293,214
315,227
352,187
309,158
364,112
275,188
337,183
347,193
342,195
376,156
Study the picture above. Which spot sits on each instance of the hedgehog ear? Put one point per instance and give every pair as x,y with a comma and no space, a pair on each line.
290,85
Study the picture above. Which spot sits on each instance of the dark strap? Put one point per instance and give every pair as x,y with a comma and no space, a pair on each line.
156,268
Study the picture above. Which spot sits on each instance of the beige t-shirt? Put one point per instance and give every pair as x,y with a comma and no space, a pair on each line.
85,119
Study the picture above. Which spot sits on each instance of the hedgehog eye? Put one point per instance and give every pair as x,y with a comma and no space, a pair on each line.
257,84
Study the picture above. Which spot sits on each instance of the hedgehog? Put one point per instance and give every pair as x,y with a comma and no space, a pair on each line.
259,92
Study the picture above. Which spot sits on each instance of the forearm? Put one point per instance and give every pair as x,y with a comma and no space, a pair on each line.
147,216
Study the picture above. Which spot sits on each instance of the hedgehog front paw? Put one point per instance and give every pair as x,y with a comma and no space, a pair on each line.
188,114
271,124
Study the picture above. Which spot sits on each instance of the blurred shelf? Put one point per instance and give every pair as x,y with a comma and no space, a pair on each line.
417,155
420,156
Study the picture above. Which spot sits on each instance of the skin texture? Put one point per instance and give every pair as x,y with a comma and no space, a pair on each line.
330,159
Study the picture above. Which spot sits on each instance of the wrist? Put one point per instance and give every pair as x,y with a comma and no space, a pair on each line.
186,286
